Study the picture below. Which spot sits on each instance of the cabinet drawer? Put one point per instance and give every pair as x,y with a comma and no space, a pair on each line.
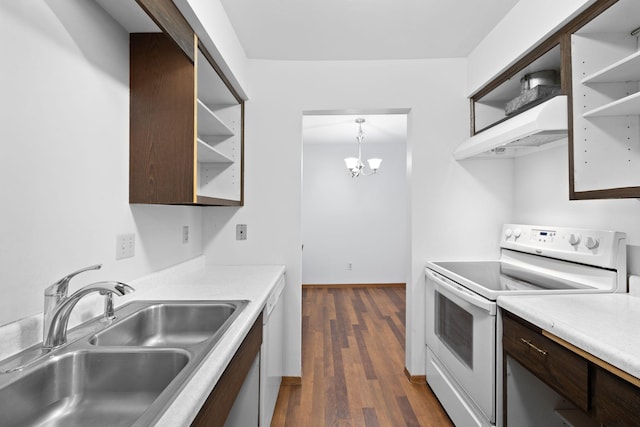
561,369
615,401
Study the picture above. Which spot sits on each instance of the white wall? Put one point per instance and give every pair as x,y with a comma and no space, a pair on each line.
362,221
64,126
455,209
542,197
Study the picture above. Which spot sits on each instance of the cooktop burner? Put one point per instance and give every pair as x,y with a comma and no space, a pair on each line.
502,276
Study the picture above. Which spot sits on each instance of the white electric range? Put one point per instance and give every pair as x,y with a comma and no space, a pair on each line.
461,327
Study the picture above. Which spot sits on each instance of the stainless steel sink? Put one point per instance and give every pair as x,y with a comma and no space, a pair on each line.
168,325
121,373
90,388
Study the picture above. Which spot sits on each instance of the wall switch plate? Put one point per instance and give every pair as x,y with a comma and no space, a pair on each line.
125,245
185,234
241,231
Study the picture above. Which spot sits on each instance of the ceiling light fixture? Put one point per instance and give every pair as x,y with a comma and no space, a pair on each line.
355,165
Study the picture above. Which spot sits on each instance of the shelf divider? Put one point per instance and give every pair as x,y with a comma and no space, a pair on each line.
625,70
627,106
208,154
209,123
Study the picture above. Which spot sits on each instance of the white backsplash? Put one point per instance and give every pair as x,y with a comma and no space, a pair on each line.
23,333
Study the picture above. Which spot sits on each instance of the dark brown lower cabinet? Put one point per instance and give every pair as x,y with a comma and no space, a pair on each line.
615,402
216,408
586,381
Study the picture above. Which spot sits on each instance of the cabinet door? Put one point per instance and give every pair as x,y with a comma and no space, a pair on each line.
615,401
162,121
216,409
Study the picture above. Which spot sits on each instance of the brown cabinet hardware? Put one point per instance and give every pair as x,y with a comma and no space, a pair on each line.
539,350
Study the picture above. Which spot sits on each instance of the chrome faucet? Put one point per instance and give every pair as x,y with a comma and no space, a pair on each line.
56,292
56,334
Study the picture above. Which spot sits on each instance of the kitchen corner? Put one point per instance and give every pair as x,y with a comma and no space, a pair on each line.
192,280
570,359
603,325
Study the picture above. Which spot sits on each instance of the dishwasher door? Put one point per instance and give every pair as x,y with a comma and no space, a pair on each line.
272,352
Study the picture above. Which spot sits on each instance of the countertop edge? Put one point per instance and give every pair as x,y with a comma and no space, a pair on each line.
187,404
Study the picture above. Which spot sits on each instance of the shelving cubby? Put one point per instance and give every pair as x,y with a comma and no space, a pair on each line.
219,135
606,103
489,105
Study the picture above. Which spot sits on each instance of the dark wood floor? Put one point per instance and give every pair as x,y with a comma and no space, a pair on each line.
353,364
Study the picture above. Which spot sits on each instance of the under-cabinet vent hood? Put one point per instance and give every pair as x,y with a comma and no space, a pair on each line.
522,134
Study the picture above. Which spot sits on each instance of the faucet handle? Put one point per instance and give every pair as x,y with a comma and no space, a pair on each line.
120,289
61,287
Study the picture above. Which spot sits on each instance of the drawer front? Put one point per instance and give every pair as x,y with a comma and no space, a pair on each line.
561,369
615,401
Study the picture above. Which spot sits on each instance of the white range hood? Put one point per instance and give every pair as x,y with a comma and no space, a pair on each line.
521,134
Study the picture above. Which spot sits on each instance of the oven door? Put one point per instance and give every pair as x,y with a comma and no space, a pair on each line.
461,333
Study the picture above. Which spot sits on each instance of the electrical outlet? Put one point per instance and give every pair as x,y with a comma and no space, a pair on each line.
349,266
241,231
185,234
125,245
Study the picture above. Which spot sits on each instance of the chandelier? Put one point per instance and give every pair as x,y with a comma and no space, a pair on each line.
355,165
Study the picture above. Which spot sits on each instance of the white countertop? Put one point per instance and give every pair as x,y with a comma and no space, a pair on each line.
253,283
605,325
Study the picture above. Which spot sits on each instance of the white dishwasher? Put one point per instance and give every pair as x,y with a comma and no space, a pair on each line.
271,353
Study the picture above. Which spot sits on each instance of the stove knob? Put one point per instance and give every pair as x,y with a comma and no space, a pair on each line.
508,233
592,243
574,240
517,233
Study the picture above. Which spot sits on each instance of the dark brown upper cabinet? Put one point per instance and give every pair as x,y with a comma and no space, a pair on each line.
605,71
186,143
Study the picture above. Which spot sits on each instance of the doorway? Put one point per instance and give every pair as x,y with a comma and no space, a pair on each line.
354,229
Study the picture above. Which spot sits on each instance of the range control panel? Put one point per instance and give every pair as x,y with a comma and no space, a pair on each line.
595,247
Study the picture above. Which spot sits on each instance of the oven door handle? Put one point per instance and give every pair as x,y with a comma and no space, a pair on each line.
454,290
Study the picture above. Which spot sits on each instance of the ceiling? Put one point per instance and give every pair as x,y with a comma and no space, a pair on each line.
342,129
362,29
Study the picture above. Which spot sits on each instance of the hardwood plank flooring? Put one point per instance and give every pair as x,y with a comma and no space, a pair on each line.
353,364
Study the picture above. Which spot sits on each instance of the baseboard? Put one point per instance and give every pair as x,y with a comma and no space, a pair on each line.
415,379
354,285
291,381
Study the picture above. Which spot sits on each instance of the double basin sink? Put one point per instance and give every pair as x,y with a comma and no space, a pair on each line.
125,372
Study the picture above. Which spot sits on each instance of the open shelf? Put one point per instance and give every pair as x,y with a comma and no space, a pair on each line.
211,88
625,70
209,123
605,65
208,154
627,106
490,108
